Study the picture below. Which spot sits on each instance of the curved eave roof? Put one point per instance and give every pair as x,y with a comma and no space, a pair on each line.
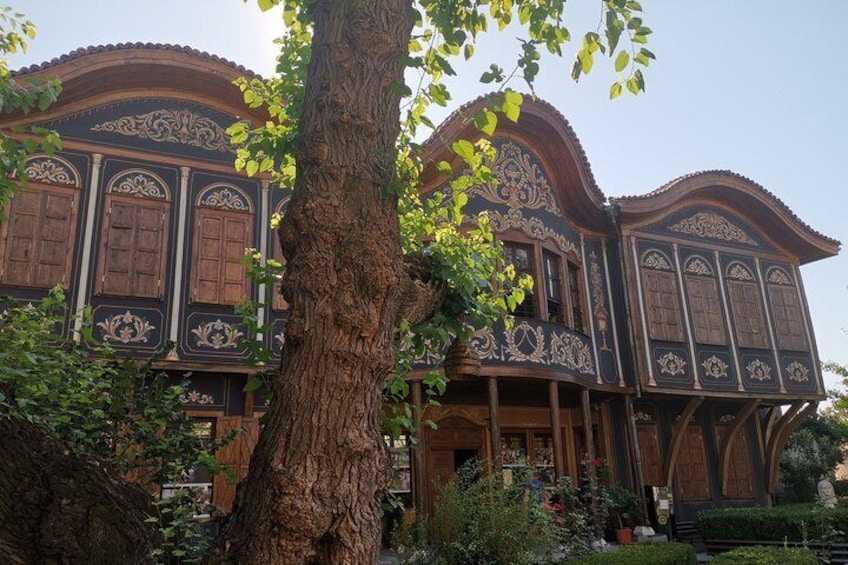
139,69
542,128
736,192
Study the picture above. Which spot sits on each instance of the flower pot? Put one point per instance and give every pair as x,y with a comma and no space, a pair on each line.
624,536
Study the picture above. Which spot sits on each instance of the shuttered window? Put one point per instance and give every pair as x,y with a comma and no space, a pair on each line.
39,237
739,473
705,307
691,468
221,236
747,314
787,317
133,247
663,305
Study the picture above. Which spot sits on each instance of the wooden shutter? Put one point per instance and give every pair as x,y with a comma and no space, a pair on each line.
748,314
235,456
39,237
649,447
739,477
220,241
787,317
705,306
133,248
663,306
691,469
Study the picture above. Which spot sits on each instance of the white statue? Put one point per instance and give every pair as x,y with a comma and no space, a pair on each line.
827,496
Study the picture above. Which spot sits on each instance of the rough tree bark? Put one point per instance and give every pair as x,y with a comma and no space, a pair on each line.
56,507
316,477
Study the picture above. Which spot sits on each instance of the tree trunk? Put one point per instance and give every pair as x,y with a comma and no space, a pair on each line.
56,507
320,468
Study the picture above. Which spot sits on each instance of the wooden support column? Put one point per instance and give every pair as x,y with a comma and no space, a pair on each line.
782,430
730,434
556,429
588,436
677,436
636,455
418,449
495,424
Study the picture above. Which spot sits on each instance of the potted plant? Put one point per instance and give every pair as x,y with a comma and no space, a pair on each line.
623,508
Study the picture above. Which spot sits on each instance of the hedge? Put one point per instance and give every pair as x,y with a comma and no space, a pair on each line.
758,555
640,554
792,522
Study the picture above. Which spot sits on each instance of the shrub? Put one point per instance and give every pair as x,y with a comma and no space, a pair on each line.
794,522
641,554
759,555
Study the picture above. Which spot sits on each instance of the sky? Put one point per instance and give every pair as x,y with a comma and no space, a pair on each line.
754,86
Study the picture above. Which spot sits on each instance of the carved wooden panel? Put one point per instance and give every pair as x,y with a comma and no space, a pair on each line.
693,479
748,314
220,240
133,249
739,476
788,319
39,237
705,307
235,455
649,447
662,305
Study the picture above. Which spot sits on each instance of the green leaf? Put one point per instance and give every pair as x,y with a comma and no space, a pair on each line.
621,61
469,51
464,149
486,121
444,168
615,90
252,168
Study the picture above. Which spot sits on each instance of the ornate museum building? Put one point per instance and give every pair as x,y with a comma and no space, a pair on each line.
668,334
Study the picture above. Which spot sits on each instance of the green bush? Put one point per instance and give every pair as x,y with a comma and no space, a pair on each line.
759,555
793,522
641,554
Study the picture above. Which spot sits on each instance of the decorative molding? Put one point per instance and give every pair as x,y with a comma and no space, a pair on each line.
796,371
698,266
280,339
125,328
224,197
195,397
217,335
179,126
571,352
671,364
51,170
653,259
600,310
524,334
486,345
758,371
136,182
739,272
532,227
643,417
712,226
521,181
715,368
776,275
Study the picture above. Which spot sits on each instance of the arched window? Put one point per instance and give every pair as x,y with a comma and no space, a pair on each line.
37,239
704,302
223,230
747,306
133,241
786,310
661,298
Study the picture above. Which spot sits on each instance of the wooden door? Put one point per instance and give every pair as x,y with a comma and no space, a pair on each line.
693,479
649,447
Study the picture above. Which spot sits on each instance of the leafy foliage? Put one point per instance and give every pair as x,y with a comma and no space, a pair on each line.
792,522
812,453
641,554
767,556
21,97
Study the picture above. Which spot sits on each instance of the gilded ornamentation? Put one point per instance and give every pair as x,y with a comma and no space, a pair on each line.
712,226
726,419
125,328
758,371
216,335
715,368
671,364
171,126
600,310
485,344
195,397
280,339
643,417
570,351
655,260
524,334
797,372
225,199
50,171
779,276
521,181
697,266
533,227
739,272
136,183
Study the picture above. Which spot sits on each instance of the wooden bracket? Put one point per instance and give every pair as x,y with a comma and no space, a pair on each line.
738,424
780,433
677,436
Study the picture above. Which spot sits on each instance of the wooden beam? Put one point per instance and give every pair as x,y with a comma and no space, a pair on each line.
418,466
783,429
588,436
677,436
556,429
636,455
495,424
739,421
